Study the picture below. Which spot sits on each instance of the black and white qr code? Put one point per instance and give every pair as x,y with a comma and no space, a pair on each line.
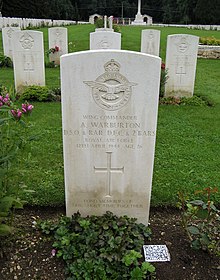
156,253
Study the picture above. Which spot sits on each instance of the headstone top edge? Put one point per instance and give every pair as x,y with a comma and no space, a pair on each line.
151,29
183,35
67,56
28,31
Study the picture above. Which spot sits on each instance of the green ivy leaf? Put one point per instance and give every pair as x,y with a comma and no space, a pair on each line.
193,230
205,240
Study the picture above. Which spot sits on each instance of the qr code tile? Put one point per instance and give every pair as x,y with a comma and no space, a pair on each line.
156,253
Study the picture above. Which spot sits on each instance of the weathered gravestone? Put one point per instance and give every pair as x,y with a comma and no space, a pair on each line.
181,58
7,40
57,38
105,40
109,114
28,58
150,41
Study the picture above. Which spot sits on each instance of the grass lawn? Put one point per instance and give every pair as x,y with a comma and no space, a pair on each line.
187,149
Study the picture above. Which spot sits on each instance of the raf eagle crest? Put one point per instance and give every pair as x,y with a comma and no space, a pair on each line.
111,91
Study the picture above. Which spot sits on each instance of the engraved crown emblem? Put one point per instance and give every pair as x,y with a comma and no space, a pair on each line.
112,66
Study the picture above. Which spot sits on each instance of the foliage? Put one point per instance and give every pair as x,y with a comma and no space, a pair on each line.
53,50
38,93
209,41
201,221
99,23
5,61
116,28
192,101
106,247
51,64
163,79
170,11
11,141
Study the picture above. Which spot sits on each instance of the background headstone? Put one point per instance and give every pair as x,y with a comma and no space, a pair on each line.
58,38
150,41
109,115
28,58
7,40
181,58
105,40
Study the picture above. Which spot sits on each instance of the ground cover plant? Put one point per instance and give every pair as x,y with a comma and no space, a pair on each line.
186,159
106,247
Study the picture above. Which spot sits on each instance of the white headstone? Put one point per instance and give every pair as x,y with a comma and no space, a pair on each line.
105,21
7,40
181,58
28,58
105,40
150,41
58,38
109,115
110,21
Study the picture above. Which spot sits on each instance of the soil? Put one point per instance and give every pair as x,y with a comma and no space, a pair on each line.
28,256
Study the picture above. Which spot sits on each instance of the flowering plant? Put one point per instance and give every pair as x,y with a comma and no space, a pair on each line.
53,50
11,141
163,79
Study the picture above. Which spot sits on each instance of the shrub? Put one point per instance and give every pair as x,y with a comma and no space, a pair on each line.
192,101
201,221
5,61
163,79
117,28
209,41
106,247
99,23
38,93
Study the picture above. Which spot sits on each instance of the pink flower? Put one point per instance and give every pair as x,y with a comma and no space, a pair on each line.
53,252
27,108
57,48
5,100
163,66
16,113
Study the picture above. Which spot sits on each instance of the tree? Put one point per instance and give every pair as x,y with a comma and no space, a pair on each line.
208,11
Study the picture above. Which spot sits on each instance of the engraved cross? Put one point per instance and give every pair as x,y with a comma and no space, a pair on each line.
109,170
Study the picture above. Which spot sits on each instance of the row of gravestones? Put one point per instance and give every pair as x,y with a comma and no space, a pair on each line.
109,118
28,57
26,49
181,56
23,23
